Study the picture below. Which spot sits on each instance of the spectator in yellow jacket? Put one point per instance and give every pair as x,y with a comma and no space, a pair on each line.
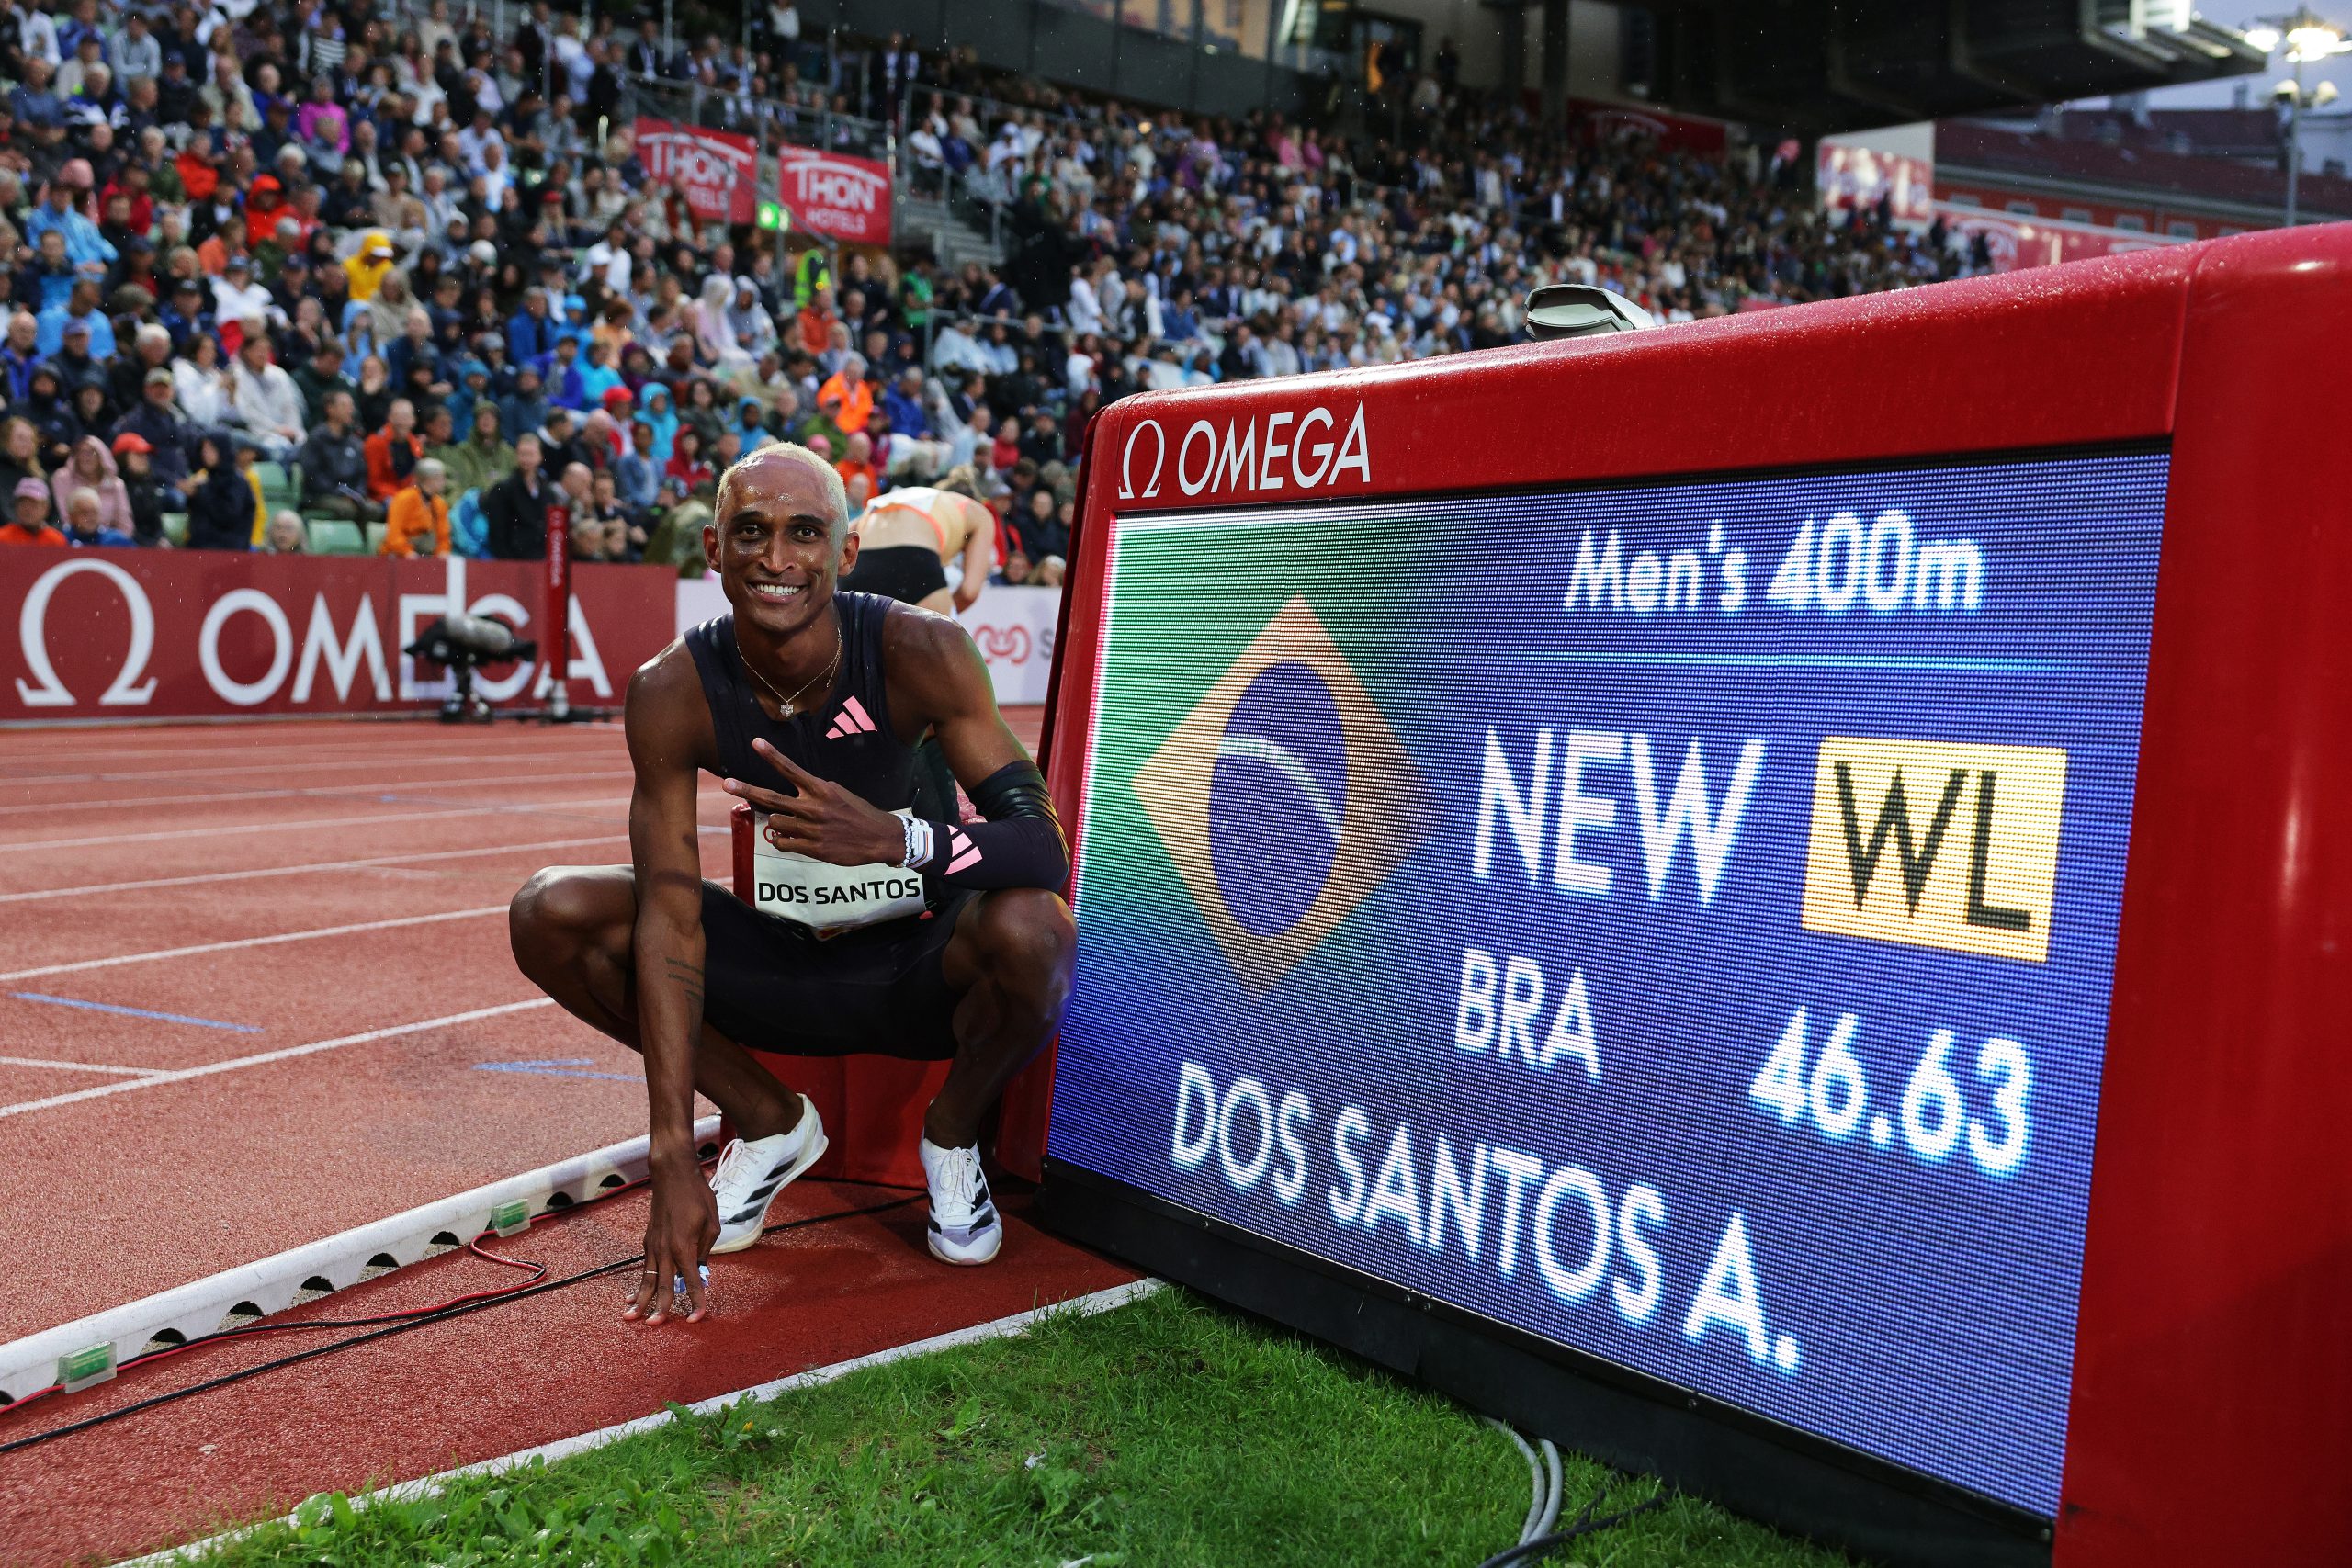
418,523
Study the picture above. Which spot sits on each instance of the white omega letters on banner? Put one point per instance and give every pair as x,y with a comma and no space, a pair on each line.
45,691
1128,490
244,695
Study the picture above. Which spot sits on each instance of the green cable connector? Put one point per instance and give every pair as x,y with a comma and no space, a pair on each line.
85,1369
511,1218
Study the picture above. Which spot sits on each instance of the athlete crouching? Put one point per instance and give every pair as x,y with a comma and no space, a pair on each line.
808,702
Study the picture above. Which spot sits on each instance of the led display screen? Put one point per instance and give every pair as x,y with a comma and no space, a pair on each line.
1675,921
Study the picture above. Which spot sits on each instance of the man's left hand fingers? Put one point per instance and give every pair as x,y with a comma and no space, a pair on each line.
765,799
802,779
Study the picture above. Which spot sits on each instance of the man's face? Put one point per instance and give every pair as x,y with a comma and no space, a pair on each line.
22,332
401,417
776,543
30,510
527,455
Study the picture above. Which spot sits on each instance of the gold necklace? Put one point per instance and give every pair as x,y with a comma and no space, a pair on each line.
825,675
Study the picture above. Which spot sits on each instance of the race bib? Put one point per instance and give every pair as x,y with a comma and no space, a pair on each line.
826,897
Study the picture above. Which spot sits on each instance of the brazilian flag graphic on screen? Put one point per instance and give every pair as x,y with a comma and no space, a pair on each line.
1674,921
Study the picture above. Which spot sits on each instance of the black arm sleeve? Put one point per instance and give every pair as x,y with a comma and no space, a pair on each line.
1020,845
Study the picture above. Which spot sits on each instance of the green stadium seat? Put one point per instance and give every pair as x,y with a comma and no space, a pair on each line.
175,527
375,536
334,537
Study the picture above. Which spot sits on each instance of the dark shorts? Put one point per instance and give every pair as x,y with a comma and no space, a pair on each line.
908,573
771,986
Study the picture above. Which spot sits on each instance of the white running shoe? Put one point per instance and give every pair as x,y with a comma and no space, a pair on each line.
750,1175
964,1225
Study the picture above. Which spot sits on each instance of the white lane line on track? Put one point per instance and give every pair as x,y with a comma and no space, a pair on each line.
373,861
79,1067
325,755
1011,1327
345,821
372,757
368,791
181,1074
80,965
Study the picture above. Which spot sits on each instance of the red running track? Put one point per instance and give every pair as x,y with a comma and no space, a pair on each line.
315,911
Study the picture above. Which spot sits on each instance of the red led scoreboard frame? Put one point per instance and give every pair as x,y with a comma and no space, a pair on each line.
2212,1365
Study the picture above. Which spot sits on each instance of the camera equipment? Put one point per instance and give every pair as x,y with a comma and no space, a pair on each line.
463,643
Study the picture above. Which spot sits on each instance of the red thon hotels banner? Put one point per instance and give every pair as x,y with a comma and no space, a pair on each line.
720,168
111,634
841,197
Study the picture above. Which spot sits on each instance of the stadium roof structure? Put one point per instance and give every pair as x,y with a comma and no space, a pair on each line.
2226,188
1820,66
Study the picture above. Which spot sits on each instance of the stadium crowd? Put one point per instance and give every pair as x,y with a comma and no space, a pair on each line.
395,271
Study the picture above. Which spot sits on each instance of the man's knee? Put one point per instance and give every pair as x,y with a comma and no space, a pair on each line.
1027,939
563,910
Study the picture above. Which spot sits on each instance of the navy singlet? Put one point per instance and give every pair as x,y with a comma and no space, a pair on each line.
843,738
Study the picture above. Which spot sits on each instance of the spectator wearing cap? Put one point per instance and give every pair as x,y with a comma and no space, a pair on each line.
263,395
335,466
240,302
29,522
148,495
322,374
418,521
61,210
80,312
83,379
154,422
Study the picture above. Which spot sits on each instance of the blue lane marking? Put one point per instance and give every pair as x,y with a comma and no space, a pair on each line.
558,1067
135,1013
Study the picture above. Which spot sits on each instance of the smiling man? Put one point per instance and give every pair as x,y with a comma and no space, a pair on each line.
883,925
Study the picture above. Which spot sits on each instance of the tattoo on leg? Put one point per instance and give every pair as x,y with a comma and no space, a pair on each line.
686,975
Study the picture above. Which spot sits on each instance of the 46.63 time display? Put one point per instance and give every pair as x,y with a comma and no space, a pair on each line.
1831,1091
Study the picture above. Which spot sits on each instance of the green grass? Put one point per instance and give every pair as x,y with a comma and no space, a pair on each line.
1170,1432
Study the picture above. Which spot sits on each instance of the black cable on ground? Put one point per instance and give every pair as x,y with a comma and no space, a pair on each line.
1584,1524
401,1327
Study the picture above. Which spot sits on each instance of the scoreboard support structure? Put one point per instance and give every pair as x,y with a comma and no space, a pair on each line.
1770,899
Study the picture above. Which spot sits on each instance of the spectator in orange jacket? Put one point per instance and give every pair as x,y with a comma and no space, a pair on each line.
418,523
845,397
394,451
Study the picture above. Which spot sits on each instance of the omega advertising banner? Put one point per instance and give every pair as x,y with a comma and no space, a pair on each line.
843,199
149,634
720,168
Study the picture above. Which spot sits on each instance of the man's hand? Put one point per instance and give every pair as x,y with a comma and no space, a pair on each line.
823,822
678,1234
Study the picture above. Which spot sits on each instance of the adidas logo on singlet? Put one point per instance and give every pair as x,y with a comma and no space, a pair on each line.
851,720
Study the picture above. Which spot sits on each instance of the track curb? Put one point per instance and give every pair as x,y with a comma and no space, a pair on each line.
271,1284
